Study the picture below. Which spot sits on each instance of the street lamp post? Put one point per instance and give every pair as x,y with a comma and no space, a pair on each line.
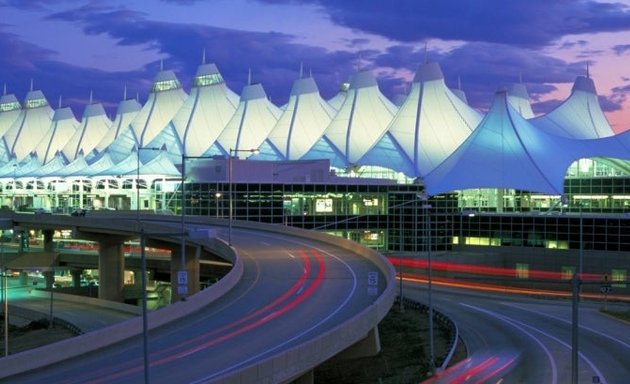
427,208
231,198
143,267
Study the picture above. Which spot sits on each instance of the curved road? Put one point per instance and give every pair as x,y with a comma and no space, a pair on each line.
525,340
292,290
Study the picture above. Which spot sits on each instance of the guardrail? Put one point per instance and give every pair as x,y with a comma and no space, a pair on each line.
445,322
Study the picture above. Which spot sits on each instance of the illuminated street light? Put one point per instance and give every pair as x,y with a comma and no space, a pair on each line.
216,201
234,152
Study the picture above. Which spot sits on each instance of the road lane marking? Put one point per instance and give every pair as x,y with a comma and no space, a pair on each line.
626,345
552,362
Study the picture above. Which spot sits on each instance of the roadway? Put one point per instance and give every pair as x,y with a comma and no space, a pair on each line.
518,339
292,291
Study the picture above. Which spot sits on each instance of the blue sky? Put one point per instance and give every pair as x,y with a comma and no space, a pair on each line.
72,47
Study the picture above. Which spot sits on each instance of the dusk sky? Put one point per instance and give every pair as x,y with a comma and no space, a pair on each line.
71,47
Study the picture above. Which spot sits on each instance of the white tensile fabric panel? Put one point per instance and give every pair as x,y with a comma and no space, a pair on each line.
94,125
519,99
303,121
159,110
9,112
433,122
34,121
580,116
252,121
125,113
505,151
362,119
214,105
63,127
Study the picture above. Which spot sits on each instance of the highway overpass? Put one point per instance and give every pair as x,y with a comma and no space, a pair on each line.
292,300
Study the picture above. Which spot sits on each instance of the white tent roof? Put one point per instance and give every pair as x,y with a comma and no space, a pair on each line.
126,112
79,165
164,101
33,122
64,126
103,163
337,101
251,123
94,125
302,122
580,116
26,166
359,124
52,167
207,110
519,99
506,151
9,112
429,126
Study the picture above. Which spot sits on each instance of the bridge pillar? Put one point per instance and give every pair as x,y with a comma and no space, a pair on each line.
192,267
111,269
49,245
306,378
76,277
368,346
49,277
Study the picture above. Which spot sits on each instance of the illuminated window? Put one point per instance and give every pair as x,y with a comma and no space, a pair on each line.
34,103
165,85
566,273
12,106
619,276
522,271
211,79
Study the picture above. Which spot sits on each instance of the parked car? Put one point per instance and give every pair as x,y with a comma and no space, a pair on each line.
78,212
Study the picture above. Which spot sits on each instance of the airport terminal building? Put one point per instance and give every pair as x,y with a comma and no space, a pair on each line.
427,173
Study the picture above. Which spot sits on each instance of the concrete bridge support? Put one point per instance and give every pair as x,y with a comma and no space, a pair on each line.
368,346
111,269
192,269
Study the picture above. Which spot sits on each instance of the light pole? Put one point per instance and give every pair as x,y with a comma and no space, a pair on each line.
427,209
143,267
231,213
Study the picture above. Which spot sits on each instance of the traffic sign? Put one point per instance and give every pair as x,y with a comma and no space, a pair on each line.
605,288
182,277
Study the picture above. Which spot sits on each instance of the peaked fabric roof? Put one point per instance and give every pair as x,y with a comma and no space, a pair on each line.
302,122
252,121
165,99
52,167
64,126
9,111
580,116
506,151
94,125
206,111
360,122
125,113
429,126
519,99
33,122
